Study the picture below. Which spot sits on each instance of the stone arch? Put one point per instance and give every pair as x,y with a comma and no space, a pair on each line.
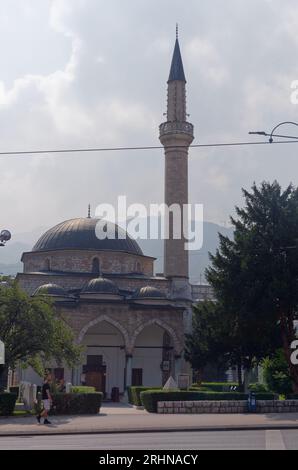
156,321
109,320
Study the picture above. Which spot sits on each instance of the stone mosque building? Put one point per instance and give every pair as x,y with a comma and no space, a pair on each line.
131,322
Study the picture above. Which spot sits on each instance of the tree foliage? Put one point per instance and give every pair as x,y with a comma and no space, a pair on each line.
206,344
255,276
32,330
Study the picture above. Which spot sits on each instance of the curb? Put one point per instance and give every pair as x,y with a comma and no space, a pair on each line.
260,427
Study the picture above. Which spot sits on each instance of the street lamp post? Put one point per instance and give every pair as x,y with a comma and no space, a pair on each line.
272,133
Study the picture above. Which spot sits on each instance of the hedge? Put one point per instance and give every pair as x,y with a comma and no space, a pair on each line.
150,398
266,396
82,389
76,403
7,403
217,386
292,396
135,391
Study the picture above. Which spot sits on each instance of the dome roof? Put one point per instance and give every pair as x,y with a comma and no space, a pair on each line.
80,234
149,292
50,289
101,285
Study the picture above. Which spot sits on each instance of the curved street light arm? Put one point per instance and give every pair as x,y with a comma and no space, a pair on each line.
279,125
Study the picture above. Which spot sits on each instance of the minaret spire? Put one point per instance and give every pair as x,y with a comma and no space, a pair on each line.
176,135
89,211
177,31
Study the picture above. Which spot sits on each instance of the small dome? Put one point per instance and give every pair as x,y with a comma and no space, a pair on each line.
101,285
149,292
51,289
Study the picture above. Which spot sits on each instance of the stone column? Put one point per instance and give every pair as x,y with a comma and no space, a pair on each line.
177,366
128,376
128,370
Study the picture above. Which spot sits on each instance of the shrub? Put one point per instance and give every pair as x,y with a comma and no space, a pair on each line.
129,395
7,403
82,389
258,388
76,403
266,396
150,398
135,391
277,374
194,388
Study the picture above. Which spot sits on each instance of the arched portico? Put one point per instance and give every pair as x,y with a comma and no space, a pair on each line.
103,362
156,352
178,347
108,319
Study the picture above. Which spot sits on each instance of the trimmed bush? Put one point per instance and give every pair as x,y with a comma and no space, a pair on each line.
129,395
150,398
266,396
220,386
7,403
194,388
135,391
82,389
76,403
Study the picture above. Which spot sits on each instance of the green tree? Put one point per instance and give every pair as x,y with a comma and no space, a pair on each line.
206,344
255,276
33,332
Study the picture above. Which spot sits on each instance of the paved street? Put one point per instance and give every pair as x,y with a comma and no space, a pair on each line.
262,440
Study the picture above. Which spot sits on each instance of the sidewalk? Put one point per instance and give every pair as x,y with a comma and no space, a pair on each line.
119,418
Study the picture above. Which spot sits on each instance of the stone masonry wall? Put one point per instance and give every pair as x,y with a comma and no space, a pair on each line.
81,261
231,406
30,281
130,322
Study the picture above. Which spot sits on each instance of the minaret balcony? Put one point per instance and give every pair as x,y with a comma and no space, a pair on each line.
176,127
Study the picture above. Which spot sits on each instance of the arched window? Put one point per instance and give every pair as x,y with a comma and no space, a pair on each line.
47,265
95,266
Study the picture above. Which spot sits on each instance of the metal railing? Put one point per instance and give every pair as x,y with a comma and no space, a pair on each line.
176,128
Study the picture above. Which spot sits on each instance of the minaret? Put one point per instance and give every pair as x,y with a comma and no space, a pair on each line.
176,135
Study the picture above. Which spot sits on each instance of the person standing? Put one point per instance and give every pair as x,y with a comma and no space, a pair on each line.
46,401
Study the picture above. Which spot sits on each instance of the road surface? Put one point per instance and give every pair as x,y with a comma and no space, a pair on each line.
194,440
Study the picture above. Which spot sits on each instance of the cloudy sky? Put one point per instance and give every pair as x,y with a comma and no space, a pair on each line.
83,73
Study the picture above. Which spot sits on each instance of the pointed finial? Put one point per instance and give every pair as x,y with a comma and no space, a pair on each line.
177,30
89,211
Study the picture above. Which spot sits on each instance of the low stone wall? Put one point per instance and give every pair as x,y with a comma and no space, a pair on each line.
232,406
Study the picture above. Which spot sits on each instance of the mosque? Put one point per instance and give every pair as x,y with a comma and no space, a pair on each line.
131,322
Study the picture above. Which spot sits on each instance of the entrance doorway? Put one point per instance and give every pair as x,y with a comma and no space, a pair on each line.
95,373
96,379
